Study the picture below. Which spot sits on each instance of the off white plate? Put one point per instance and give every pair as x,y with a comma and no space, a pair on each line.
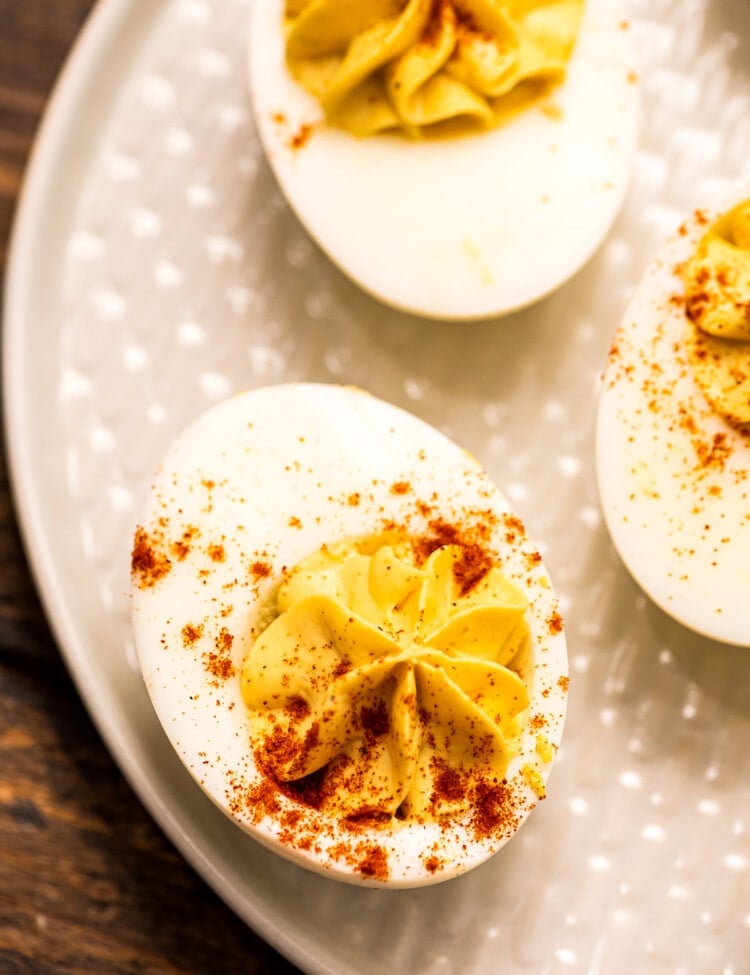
155,269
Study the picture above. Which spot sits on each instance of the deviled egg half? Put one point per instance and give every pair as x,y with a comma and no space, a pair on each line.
456,158
347,636
673,438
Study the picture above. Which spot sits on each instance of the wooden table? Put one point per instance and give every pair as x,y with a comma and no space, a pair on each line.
87,881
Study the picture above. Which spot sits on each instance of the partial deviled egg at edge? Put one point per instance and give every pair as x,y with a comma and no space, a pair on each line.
464,226
673,431
347,636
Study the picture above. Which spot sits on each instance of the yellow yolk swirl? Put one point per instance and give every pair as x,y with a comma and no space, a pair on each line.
387,685
717,301
377,65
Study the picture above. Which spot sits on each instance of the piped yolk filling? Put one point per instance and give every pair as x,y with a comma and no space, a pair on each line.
388,685
417,65
717,303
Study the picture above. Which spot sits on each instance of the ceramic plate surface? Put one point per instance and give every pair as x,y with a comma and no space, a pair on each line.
156,269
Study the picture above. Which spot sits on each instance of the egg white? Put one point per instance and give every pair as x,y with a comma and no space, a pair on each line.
681,527
269,476
467,227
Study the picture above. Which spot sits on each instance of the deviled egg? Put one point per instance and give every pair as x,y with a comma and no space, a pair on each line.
357,107
347,635
673,439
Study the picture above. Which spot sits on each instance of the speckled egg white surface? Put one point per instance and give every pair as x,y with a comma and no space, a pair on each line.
175,275
674,476
468,227
266,478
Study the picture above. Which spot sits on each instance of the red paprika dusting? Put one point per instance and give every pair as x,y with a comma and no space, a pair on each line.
218,662
191,634
400,487
555,623
148,560
220,667
515,530
297,707
311,790
475,560
342,667
261,570
715,453
493,811
368,819
216,553
473,565
262,799
224,640
301,137
181,547
533,559
450,784
423,509
278,750
374,863
375,721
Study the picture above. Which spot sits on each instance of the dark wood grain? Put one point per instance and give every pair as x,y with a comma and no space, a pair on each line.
87,882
